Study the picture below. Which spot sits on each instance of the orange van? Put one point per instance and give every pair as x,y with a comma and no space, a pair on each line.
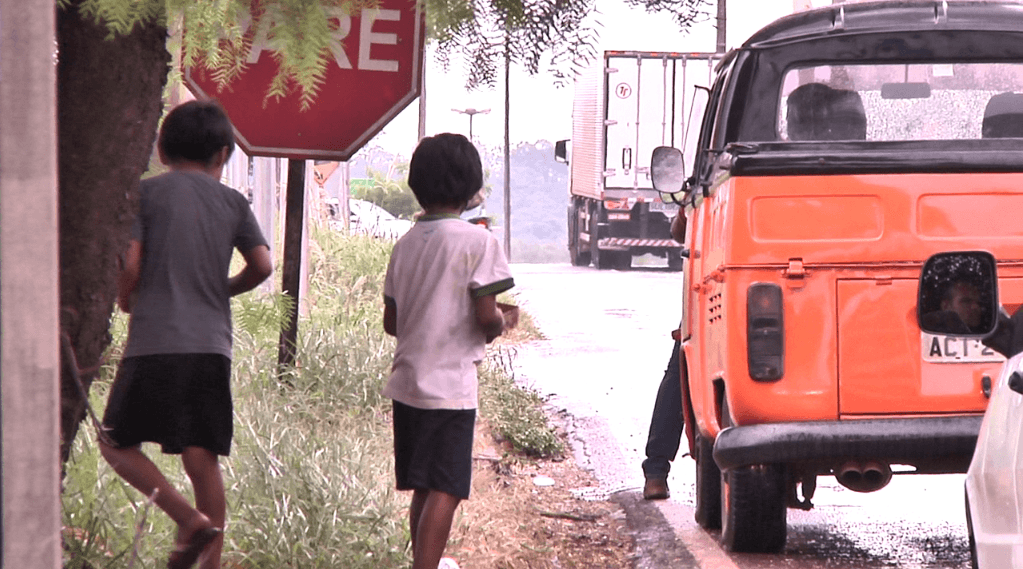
840,148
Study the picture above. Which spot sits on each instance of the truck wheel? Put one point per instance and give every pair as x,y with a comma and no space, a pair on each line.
601,259
621,260
578,257
674,262
708,485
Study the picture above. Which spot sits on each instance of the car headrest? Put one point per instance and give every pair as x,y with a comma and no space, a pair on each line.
1003,116
816,111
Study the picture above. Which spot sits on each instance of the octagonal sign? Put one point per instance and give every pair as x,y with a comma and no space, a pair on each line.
372,77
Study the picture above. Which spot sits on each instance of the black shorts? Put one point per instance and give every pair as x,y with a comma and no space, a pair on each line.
175,400
433,449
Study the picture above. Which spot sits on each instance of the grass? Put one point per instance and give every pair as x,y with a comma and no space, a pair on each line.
309,480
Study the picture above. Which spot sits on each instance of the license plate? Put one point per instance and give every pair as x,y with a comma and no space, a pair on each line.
939,348
663,207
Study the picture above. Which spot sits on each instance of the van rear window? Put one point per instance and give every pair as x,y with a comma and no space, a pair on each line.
934,101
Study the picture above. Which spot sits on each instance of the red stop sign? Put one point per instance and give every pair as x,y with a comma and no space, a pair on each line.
370,79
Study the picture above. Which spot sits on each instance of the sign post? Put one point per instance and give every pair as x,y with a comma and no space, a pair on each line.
373,75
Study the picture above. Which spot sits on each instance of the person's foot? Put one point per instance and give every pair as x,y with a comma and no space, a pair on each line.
656,489
192,540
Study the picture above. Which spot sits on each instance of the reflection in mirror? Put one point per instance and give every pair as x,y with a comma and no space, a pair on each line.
666,170
958,294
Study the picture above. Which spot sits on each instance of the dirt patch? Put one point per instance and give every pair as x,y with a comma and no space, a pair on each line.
523,514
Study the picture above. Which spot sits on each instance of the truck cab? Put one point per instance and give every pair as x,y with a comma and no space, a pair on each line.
839,148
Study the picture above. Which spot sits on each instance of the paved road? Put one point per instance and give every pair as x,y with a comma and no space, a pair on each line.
607,344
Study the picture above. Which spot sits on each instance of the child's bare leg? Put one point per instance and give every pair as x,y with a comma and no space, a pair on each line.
136,468
203,470
432,530
415,512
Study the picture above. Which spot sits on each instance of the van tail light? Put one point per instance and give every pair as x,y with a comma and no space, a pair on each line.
765,332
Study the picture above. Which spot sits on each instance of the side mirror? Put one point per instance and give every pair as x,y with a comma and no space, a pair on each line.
561,151
668,173
958,294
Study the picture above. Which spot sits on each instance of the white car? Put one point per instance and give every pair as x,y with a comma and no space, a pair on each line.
367,218
994,488
994,480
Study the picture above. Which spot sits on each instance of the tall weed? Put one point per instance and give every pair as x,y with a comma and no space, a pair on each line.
309,480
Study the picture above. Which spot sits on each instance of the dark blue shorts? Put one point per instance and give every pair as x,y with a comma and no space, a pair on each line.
175,400
433,449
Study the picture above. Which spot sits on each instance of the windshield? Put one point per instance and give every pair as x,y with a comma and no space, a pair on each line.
934,101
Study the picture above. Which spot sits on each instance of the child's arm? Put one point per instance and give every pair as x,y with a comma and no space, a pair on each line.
390,316
489,317
128,279
256,270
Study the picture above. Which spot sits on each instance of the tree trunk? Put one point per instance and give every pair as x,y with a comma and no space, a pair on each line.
109,102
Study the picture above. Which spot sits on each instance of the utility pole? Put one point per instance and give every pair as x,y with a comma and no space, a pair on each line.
507,145
471,112
29,297
422,101
722,46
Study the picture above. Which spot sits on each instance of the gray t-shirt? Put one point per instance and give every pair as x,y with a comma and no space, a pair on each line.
188,225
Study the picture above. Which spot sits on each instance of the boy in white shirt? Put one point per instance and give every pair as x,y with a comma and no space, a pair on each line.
440,302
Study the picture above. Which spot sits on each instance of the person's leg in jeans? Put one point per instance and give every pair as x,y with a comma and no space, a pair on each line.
665,430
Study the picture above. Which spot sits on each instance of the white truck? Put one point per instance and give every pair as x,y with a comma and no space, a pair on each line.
626,104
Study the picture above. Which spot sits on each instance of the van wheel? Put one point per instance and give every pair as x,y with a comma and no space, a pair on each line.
708,485
753,515
753,504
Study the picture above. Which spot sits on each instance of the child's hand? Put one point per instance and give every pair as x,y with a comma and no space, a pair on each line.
510,313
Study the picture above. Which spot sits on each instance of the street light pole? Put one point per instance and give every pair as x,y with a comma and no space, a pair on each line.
471,112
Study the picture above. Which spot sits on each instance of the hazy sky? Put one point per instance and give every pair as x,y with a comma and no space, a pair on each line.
539,110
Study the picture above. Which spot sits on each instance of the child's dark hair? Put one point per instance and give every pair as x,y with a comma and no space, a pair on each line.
196,131
445,171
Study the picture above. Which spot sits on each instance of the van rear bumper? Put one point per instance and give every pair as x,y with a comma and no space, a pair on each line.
931,444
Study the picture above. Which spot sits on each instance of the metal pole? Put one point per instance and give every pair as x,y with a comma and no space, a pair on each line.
422,101
507,146
722,40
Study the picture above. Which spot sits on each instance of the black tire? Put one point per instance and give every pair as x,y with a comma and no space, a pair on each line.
753,505
674,261
578,257
753,510
708,485
601,259
622,260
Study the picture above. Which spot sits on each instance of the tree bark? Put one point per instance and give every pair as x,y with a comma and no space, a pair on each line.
109,103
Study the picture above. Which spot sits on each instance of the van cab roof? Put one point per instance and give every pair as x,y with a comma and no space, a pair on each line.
891,15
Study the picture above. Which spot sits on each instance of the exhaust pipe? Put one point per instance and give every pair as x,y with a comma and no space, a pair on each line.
867,476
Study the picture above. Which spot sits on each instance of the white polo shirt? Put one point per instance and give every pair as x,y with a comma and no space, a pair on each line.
436,271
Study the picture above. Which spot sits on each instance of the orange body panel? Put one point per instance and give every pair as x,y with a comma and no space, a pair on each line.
846,251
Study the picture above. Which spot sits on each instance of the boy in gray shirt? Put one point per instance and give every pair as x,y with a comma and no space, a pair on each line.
173,385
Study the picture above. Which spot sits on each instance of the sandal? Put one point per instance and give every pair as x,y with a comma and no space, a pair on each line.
185,557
